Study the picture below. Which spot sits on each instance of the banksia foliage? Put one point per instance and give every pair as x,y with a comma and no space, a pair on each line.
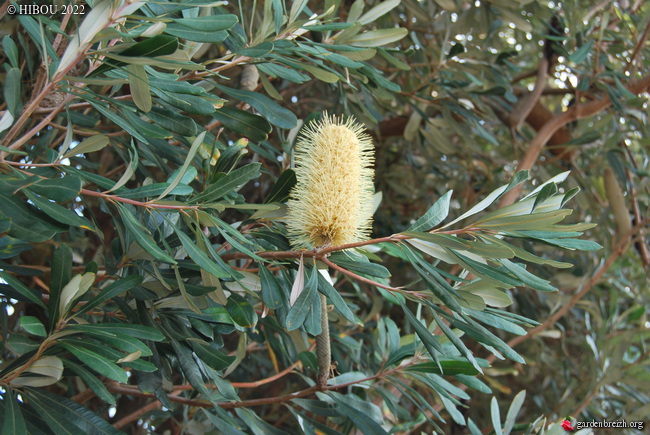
331,203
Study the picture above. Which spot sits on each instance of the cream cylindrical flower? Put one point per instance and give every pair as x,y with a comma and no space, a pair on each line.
332,202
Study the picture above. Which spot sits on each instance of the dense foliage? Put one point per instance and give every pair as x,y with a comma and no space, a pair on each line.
148,280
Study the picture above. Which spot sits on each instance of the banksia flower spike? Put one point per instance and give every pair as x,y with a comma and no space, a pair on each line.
331,203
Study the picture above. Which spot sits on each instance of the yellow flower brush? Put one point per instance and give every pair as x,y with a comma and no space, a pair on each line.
331,203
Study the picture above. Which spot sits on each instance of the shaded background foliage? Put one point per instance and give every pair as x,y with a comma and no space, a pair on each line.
458,96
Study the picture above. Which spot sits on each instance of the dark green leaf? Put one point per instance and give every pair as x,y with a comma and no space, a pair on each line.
358,263
335,298
430,343
269,109
27,223
241,311
142,235
113,290
271,292
29,294
32,325
282,187
172,121
245,123
257,51
211,23
67,417
445,367
91,380
214,358
97,362
195,35
58,212
14,422
134,330
306,301
200,258
228,183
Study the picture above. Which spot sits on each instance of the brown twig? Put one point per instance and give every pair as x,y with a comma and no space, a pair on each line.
578,111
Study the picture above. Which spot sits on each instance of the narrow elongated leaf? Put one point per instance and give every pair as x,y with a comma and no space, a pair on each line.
200,258
97,362
282,187
333,296
271,292
58,189
91,380
245,123
58,212
137,331
139,84
241,311
88,145
366,424
436,214
195,35
210,23
269,109
214,358
377,38
172,121
142,235
190,368
496,416
113,290
67,417
300,309
24,291
14,422
528,278
430,343
514,409
32,325
230,182
27,223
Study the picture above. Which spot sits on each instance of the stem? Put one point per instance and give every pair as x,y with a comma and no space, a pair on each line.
323,350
